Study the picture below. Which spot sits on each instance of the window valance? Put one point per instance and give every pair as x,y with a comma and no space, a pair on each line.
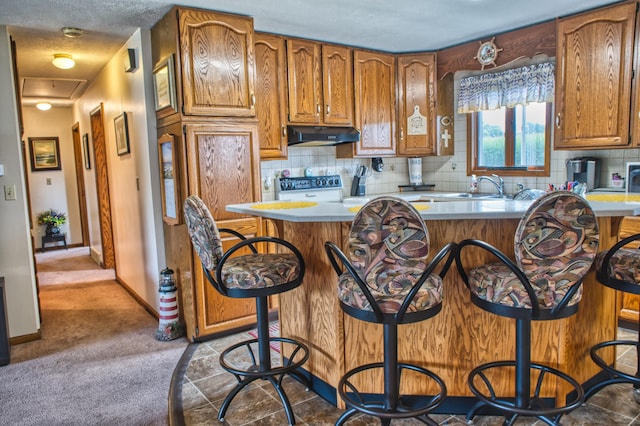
516,86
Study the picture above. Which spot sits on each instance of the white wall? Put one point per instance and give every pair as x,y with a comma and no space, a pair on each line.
133,177
55,189
16,260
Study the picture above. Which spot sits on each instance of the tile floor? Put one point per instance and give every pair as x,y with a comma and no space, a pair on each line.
206,384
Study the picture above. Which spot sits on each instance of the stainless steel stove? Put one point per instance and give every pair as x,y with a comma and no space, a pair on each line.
312,188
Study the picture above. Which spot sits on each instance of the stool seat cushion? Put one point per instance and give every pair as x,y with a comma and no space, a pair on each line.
260,270
624,265
496,283
391,289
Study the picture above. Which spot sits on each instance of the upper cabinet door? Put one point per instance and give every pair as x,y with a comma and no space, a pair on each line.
593,78
337,84
417,105
375,106
271,95
218,73
303,67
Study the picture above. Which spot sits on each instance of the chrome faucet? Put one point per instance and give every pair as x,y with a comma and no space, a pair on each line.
498,182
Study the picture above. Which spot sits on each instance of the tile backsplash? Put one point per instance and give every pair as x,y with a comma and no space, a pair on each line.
447,173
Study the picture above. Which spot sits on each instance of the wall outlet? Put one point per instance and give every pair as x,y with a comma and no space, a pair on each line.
9,192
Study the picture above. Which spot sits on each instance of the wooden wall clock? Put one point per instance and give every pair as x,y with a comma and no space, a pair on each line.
487,53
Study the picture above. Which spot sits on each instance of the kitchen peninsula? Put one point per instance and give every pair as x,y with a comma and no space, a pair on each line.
461,336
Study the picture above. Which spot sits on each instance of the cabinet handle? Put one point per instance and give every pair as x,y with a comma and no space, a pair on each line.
558,121
284,131
328,110
401,133
253,99
318,110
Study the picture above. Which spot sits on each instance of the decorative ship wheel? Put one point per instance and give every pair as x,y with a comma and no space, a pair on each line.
487,53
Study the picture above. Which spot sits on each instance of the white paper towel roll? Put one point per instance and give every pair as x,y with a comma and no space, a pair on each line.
415,171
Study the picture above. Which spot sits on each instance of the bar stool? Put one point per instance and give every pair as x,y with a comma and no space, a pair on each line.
555,244
252,275
386,279
619,269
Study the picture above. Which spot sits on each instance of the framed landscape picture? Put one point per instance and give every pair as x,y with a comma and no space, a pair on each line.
169,183
45,154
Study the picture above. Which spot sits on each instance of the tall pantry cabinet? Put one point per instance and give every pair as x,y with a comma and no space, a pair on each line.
214,130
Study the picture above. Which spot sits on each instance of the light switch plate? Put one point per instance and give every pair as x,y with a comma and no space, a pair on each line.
9,192
1,169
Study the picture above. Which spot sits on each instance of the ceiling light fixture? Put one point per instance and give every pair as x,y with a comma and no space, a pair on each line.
63,61
43,106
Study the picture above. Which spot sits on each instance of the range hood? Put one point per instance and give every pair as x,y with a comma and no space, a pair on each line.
321,135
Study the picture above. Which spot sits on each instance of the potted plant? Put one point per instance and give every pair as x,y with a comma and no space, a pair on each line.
53,219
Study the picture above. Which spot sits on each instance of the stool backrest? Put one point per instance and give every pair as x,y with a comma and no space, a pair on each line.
556,242
203,232
387,237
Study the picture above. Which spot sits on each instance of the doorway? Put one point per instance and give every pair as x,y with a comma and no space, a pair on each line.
79,160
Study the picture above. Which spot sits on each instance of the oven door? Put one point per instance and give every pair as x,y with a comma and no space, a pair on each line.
633,177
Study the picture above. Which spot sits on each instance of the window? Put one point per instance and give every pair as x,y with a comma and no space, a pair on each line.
512,141
509,119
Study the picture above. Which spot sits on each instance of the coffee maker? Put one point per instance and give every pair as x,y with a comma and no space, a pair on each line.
584,170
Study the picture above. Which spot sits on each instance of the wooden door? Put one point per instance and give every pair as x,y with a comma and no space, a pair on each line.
593,78
223,164
82,194
337,84
305,84
218,72
375,106
417,105
102,187
271,95
629,303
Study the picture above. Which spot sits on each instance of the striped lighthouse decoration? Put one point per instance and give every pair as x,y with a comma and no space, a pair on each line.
169,327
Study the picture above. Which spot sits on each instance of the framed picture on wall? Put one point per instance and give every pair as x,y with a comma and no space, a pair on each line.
122,133
45,154
85,148
169,182
164,86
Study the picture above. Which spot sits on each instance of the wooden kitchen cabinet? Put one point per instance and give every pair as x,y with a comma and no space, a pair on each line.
223,156
417,89
320,83
217,57
271,95
594,72
375,106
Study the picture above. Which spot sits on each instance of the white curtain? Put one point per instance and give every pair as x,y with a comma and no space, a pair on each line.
515,86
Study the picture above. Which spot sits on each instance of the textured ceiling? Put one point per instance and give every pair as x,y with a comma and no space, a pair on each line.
410,25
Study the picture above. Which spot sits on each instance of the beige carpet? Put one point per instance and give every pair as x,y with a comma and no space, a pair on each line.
97,363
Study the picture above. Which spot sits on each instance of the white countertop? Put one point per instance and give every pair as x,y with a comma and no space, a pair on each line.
463,209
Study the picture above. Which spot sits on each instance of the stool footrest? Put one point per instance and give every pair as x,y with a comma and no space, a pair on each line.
377,407
615,375
266,372
536,406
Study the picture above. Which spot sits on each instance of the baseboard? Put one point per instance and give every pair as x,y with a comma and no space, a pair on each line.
17,340
138,299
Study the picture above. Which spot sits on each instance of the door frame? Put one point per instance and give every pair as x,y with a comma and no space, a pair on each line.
102,186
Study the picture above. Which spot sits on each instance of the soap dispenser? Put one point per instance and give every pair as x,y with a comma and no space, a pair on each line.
473,186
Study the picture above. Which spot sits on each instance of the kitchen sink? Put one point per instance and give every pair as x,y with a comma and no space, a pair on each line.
459,196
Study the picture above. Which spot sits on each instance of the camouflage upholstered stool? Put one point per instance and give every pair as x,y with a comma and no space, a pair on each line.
385,278
253,275
555,244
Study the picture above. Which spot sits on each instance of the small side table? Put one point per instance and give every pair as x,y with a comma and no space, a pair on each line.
54,239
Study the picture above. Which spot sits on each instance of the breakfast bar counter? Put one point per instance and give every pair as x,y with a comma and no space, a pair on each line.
461,336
